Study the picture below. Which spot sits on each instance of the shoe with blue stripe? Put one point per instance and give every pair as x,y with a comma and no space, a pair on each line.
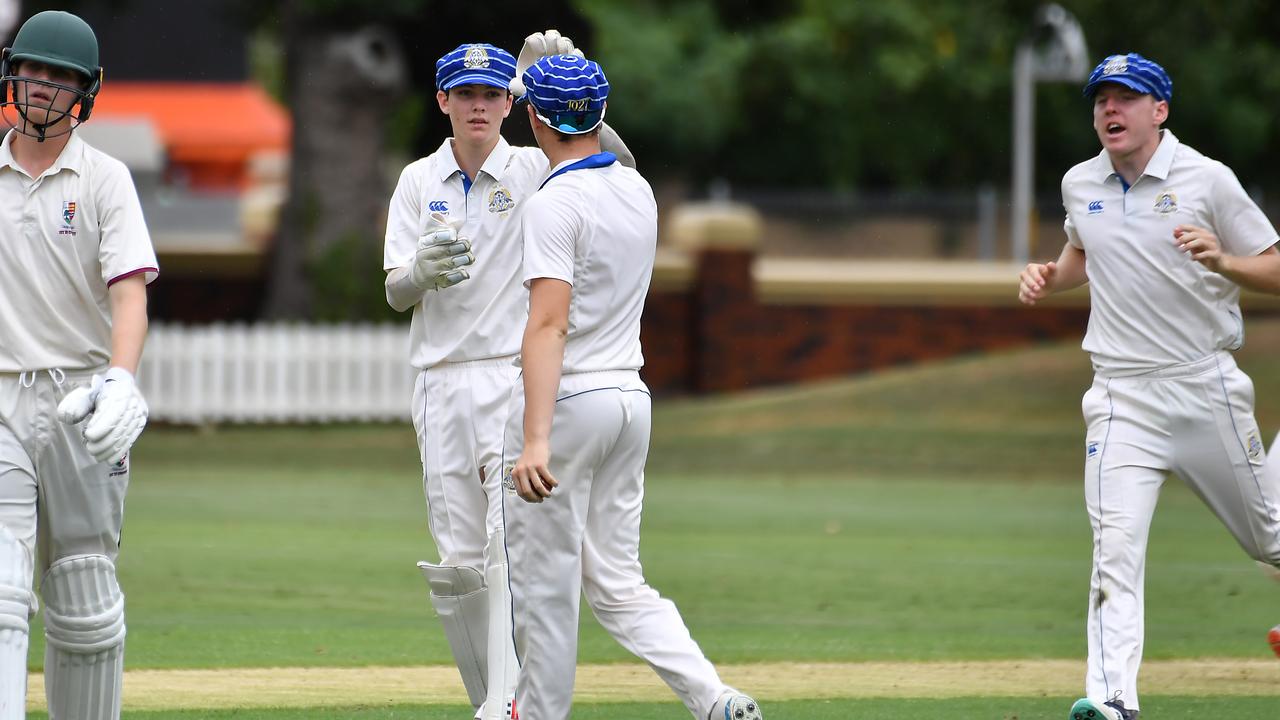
733,705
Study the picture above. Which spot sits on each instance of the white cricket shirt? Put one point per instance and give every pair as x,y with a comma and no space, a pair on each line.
482,317
1152,306
595,228
65,237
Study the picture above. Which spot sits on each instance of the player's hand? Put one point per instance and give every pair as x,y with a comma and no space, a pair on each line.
78,403
1036,282
539,45
533,479
117,417
1202,245
441,255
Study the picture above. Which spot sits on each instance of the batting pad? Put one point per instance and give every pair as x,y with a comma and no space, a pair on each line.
462,602
15,609
500,702
84,627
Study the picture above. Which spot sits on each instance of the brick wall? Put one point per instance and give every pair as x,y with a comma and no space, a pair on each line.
733,321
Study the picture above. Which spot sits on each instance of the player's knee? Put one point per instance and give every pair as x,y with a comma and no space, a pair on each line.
17,604
84,607
612,597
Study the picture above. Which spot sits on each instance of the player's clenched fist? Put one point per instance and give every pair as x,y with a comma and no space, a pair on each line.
1036,282
533,479
116,411
440,257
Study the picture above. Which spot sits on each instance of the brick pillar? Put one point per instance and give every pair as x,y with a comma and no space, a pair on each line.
723,239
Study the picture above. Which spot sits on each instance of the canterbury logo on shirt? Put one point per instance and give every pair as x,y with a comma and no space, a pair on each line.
438,206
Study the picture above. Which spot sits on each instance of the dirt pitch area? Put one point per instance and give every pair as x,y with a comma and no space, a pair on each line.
320,687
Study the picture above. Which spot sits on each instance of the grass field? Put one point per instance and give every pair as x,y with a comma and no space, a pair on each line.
918,517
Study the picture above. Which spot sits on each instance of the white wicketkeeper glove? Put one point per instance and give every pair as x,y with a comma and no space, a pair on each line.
539,45
115,410
441,255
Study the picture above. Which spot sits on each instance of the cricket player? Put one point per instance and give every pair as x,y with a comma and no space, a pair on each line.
452,253
578,432
75,257
1166,237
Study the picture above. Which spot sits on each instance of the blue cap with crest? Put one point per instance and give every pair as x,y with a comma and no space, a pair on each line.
1134,72
475,64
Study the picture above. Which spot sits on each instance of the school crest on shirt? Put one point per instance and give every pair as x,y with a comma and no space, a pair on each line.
1166,203
476,57
500,200
68,218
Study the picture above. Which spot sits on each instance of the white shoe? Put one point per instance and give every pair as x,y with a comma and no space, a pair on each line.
733,705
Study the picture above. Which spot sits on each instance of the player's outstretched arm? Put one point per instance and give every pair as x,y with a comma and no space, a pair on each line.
1259,272
1039,281
541,357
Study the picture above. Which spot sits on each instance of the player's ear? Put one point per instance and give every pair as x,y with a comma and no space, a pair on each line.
1162,112
442,99
510,99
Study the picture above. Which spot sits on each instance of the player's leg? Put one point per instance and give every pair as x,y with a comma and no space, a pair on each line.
645,623
1223,461
444,422
17,543
544,549
1123,474
81,512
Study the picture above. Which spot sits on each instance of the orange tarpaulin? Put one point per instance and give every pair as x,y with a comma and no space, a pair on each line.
210,130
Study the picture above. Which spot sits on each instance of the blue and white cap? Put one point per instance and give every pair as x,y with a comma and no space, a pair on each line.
1132,71
568,92
475,64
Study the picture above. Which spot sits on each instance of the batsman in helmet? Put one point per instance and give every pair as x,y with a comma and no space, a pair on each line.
75,258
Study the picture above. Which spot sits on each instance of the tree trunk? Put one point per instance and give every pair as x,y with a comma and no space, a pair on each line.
342,86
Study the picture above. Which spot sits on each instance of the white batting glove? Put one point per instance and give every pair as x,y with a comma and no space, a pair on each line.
78,403
441,255
539,45
116,417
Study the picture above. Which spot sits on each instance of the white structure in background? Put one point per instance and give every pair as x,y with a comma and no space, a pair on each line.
267,373
1053,50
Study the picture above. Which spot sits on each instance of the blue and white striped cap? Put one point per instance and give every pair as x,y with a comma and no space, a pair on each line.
568,92
1132,71
475,64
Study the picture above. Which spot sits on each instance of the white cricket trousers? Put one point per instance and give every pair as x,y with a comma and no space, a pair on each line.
1196,421
56,497
459,411
586,538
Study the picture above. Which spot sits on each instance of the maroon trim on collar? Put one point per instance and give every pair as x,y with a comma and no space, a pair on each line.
131,273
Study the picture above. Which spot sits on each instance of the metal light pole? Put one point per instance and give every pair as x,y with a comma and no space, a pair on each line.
1054,49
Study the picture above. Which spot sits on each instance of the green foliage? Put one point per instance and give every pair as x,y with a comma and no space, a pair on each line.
347,282
912,93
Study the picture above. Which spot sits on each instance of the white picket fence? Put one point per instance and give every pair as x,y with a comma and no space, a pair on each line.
268,373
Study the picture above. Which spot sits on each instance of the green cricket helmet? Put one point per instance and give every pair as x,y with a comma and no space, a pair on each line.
58,39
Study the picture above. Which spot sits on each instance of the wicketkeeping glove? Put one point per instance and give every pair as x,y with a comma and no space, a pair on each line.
116,411
539,45
441,255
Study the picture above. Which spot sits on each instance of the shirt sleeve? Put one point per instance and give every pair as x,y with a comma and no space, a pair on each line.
124,244
1241,226
1068,227
402,221
550,229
